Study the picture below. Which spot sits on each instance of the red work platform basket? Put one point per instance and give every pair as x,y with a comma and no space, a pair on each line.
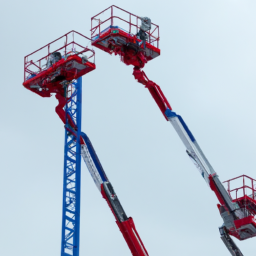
64,59
244,194
114,30
242,190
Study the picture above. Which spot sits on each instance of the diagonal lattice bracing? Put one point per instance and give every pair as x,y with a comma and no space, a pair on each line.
72,172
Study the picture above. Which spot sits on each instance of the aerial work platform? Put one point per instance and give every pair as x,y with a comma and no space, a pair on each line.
46,69
59,69
136,40
117,31
242,191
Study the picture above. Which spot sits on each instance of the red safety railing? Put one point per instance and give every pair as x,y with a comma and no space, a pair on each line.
130,23
248,187
34,63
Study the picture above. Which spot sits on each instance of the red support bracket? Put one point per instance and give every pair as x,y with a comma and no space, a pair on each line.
60,111
154,89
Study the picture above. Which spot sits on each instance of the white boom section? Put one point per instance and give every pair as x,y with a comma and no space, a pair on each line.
197,156
92,162
91,166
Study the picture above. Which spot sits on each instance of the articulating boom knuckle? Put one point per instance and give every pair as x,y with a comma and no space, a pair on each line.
154,90
140,76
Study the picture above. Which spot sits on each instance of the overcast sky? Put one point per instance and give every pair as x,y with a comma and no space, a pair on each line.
207,72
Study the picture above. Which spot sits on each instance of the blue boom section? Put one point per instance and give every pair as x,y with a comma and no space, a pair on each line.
171,114
94,157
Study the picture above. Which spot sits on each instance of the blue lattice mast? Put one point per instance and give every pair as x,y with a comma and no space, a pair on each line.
72,171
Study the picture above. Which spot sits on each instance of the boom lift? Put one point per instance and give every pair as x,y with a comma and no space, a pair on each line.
59,71
237,206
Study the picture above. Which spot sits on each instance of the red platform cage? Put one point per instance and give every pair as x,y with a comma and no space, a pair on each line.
43,76
242,190
114,30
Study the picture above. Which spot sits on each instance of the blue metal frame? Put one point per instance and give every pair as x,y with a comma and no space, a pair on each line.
72,172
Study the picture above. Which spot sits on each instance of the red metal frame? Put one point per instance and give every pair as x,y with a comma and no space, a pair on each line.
245,202
247,199
70,66
121,38
38,63
153,35
243,188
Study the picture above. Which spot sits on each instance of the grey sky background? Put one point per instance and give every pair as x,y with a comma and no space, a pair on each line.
207,72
